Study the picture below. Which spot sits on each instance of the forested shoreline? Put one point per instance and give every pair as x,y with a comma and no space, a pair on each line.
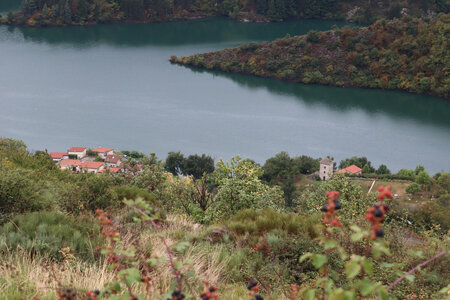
88,12
407,54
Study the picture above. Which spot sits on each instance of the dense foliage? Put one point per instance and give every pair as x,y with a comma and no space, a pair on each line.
229,226
79,12
404,54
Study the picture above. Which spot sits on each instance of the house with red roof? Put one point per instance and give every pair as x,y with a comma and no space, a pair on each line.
103,152
353,170
58,156
92,166
113,160
80,152
73,165
110,170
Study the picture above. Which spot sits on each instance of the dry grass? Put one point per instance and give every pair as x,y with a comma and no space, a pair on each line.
23,276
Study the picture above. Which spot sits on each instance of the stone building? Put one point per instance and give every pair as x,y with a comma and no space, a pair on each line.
326,169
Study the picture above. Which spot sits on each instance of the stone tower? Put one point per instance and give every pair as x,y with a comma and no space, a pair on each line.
326,169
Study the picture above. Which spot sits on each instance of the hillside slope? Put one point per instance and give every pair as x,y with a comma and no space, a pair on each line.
405,54
82,12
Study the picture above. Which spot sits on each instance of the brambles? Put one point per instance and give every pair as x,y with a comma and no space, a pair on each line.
209,292
331,217
177,295
254,288
376,214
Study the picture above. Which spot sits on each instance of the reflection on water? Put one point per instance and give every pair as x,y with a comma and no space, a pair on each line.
204,31
396,104
9,5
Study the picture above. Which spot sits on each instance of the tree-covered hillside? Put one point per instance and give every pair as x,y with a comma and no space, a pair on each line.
405,54
79,12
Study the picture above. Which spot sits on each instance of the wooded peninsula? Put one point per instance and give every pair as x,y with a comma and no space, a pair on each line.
401,54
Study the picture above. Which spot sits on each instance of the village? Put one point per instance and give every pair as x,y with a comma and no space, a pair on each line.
98,160
104,160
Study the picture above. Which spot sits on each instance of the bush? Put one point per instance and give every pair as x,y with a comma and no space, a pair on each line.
413,188
21,191
423,178
313,36
263,221
47,233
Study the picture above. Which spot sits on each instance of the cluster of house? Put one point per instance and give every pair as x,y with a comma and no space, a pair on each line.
77,160
326,169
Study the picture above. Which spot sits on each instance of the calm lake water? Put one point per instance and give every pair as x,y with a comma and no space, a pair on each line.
112,85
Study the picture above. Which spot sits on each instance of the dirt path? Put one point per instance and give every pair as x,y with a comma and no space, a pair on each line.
373,183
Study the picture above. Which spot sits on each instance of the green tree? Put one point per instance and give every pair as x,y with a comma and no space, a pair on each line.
67,13
383,169
277,168
444,181
174,163
239,187
44,14
305,164
366,169
83,9
197,165
96,13
406,173
419,169
423,178
357,161
10,17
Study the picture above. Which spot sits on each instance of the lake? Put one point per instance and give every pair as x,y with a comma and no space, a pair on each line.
112,85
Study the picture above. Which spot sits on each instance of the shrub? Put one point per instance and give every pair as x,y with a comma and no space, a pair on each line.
263,221
313,36
21,191
47,233
423,178
413,188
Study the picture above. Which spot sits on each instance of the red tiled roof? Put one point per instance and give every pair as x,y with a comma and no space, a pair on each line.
102,149
92,164
351,169
112,158
76,149
70,162
112,170
57,155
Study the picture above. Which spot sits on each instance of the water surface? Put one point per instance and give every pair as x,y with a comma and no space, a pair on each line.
112,85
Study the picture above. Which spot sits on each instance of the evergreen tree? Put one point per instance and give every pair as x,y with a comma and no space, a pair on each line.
32,7
261,6
67,13
54,11
83,9
272,10
44,14
96,13
25,7
10,17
